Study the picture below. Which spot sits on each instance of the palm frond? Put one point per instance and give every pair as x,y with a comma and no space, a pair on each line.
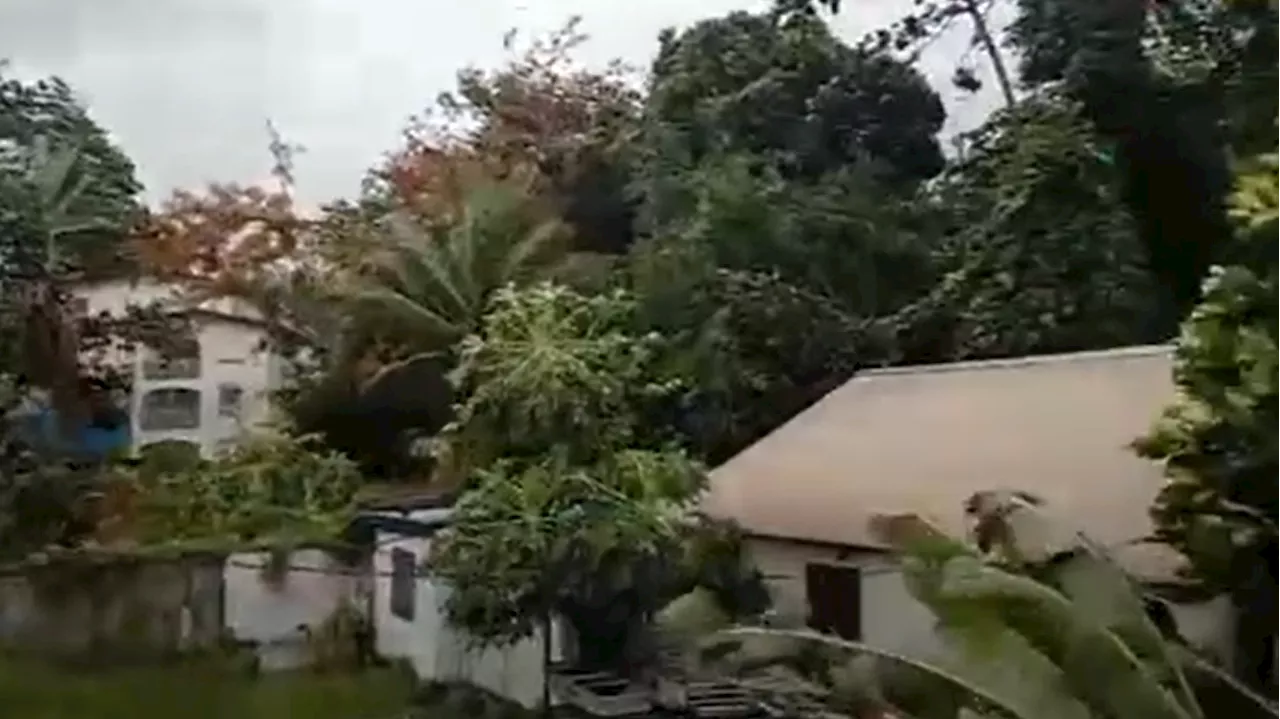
422,267
404,316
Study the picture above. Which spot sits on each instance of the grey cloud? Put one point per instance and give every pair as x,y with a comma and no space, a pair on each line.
187,85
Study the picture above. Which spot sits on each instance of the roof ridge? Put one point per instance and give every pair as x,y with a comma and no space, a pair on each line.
1026,360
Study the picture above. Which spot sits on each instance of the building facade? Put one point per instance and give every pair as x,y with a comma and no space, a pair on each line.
209,396
923,441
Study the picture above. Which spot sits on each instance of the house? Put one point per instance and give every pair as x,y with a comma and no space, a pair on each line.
208,397
406,609
924,440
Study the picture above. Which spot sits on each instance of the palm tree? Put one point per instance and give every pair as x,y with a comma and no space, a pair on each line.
427,287
43,188
387,329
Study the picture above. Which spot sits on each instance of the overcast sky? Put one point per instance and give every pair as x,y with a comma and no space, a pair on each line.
186,86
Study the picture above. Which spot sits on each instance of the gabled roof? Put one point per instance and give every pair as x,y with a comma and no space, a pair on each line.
923,440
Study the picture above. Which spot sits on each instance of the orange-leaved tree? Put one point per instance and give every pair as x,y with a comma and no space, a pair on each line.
541,122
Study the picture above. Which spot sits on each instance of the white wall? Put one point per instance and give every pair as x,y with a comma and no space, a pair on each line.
1208,626
272,614
395,638
229,354
440,652
893,619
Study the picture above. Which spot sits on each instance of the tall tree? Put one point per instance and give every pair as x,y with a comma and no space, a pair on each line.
771,289
1218,441
783,87
540,118
1168,134
419,293
46,112
778,169
574,505
1041,255
45,244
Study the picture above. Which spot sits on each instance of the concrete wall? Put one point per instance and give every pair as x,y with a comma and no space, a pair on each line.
440,652
893,619
229,355
152,609
277,612
138,609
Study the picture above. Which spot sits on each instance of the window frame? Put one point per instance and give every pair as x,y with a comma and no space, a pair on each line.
833,597
403,591
147,411
230,409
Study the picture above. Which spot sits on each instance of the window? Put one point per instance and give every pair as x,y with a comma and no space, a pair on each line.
403,584
835,599
179,362
168,409
230,399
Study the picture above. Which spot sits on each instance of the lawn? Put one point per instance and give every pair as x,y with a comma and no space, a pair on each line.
192,691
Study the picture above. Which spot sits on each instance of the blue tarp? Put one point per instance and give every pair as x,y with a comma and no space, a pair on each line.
41,429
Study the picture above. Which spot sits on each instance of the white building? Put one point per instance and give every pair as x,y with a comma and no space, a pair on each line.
922,440
208,398
407,615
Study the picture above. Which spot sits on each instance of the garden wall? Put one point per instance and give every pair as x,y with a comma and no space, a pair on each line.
283,604
110,607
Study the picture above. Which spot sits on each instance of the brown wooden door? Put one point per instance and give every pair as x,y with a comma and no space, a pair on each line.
835,599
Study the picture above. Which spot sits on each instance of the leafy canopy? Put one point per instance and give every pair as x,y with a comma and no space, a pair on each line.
569,503
1218,441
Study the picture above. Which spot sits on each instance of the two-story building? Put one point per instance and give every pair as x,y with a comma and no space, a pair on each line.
208,395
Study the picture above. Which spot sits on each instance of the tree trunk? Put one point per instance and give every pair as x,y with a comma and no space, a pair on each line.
983,32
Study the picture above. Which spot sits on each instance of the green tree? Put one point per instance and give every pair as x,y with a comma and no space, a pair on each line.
42,188
779,172
1170,134
1218,441
1252,78
783,88
573,506
844,235
271,487
421,288
755,348
426,288
1041,254
44,116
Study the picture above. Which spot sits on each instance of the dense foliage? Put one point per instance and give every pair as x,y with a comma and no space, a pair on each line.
1042,255
1218,440
786,90
101,201
567,290
270,488
573,505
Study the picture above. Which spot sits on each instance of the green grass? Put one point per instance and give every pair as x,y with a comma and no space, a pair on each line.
193,691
